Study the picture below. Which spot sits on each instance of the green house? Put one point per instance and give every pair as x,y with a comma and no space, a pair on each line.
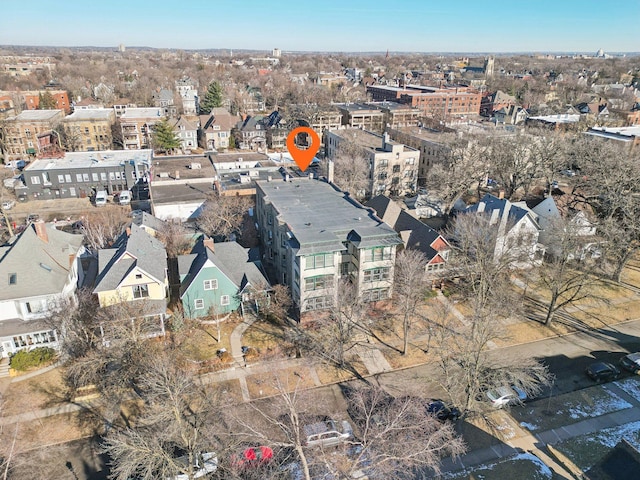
217,278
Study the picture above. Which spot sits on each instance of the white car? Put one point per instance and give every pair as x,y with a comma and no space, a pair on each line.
326,434
8,204
204,464
507,395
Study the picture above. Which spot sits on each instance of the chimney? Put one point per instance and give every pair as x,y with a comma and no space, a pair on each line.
72,257
41,230
330,171
208,243
128,230
385,141
177,174
501,195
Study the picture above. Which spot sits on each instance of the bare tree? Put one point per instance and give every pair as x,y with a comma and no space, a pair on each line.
513,165
409,289
273,303
562,274
173,430
351,169
223,215
102,227
175,237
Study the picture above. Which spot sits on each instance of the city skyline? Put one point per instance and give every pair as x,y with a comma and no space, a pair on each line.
357,26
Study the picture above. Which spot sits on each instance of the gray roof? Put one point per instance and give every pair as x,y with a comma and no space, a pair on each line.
39,115
513,212
136,250
103,158
91,114
230,257
321,217
42,268
144,219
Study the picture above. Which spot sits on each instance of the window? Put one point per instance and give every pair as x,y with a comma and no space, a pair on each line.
376,275
94,177
60,178
224,300
319,261
138,276
377,254
375,294
382,176
85,177
211,284
140,291
103,176
317,303
13,278
78,177
35,180
198,303
67,177
318,283
396,169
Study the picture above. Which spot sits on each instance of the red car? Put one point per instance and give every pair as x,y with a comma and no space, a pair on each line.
252,457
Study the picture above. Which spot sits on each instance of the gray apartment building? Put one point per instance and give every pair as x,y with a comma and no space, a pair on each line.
80,174
313,235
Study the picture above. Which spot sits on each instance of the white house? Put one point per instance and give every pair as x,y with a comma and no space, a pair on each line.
187,132
38,269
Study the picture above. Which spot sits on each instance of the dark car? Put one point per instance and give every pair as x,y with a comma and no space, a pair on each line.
442,411
631,362
602,371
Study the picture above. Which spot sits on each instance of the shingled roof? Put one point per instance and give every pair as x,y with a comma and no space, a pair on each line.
135,248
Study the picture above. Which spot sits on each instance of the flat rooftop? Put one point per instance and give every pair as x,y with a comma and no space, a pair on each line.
38,115
91,114
169,193
142,112
182,168
103,158
366,139
321,217
427,134
358,107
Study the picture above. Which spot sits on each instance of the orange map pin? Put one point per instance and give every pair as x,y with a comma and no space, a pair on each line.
303,158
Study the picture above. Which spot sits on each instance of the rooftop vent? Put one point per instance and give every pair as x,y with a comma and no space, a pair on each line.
46,267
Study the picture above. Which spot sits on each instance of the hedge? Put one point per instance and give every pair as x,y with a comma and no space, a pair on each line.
26,359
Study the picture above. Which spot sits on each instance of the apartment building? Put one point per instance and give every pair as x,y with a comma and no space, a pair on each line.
313,235
80,174
444,102
89,130
362,115
398,115
137,126
393,166
188,92
30,133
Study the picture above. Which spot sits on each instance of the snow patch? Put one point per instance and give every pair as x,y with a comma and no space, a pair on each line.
599,406
630,386
529,426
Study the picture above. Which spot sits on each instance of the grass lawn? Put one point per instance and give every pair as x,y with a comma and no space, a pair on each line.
267,339
41,391
45,431
329,374
265,384
200,343
520,466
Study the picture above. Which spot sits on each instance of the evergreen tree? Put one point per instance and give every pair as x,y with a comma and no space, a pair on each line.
164,137
46,101
212,99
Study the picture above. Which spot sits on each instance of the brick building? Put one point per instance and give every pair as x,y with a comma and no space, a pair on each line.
89,130
30,133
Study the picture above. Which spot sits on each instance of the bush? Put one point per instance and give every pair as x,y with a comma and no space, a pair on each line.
26,359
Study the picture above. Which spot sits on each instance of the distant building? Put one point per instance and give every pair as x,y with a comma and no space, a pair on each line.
362,115
30,100
31,133
122,48
215,129
137,126
89,130
18,65
313,235
276,52
251,134
443,102
163,98
393,165
187,132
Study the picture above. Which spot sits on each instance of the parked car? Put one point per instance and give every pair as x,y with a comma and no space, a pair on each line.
506,395
124,197
442,411
631,362
568,173
602,371
326,434
8,204
252,457
204,464
32,217
101,198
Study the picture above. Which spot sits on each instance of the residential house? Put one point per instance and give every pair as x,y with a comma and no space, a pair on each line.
162,98
251,134
134,271
80,174
219,278
517,230
188,92
415,234
510,115
137,126
150,224
492,102
393,166
313,235
31,133
187,132
215,129
39,269
89,130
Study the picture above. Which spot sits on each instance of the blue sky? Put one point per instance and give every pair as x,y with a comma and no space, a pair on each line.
328,25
